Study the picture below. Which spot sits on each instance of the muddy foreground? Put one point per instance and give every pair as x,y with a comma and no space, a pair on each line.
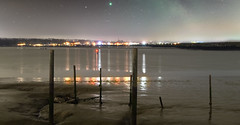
27,103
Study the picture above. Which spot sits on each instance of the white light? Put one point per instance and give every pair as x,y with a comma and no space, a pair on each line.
143,63
144,79
144,42
98,78
99,42
159,78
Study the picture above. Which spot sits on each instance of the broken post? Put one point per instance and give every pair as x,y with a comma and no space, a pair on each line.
51,88
100,85
130,95
134,88
210,97
75,86
161,102
210,91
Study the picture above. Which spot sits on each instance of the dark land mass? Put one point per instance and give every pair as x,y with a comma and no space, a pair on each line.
228,45
211,46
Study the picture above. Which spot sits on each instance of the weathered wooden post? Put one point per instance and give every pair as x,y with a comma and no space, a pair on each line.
134,88
130,94
210,97
51,88
75,86
100,85
161,102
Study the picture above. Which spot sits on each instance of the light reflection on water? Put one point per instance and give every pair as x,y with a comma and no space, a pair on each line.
99,59
32,64
67,60
109,61
143,63
143,81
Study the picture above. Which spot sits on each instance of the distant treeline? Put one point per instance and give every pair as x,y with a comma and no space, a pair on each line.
204,46
11,42
211,46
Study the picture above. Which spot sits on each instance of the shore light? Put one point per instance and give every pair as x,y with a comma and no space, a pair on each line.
144,42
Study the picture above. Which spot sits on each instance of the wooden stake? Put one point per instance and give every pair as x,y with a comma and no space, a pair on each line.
75,86
161,102
51,88
134,87
210,97
100,85
210,91
130,95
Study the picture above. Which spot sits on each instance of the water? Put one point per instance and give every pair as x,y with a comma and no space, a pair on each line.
179,76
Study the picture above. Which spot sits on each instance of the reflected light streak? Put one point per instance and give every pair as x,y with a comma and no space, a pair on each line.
99,60
93,60
77,62
143,84
21,62
87,60
37,79
130,60
67,59
143,63
109,61
117,62
126,61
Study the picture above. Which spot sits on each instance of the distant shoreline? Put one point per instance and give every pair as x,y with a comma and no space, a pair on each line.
187,47
64,43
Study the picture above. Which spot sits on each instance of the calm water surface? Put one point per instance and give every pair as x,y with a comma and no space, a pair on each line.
32,64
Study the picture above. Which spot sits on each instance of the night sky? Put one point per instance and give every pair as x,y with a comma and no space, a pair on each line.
124,19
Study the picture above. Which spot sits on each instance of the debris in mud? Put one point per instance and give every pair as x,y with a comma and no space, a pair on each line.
59,114
71,100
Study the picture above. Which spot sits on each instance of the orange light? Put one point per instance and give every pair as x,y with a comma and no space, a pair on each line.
87,43
67,79
96,50
37,45
126,79
66,43
126,43
21,44
117,79
78,79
